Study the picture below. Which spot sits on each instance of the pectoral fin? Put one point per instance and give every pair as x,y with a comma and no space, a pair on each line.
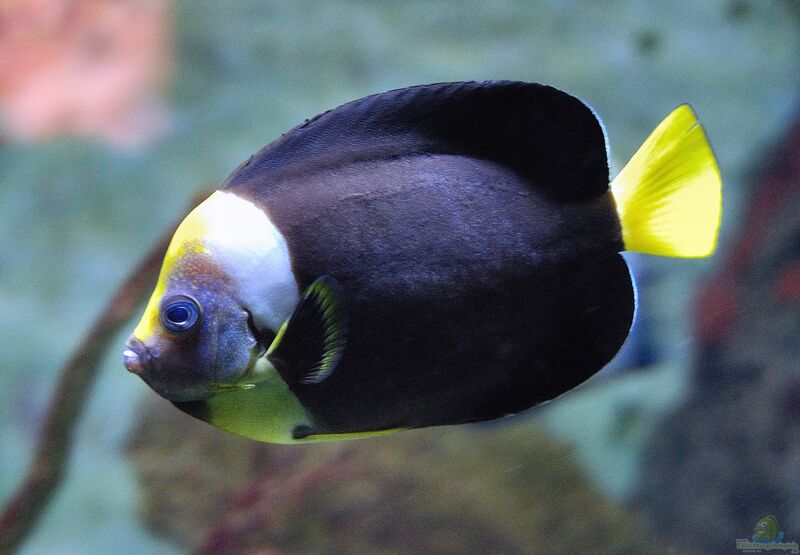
311,342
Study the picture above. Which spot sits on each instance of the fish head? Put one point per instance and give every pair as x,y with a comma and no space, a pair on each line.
202,332
195,335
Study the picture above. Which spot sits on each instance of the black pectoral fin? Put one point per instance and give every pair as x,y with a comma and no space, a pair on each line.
311,342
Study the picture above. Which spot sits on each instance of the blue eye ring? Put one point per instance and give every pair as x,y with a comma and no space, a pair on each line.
180,313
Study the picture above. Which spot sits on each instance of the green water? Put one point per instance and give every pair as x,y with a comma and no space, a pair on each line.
75,216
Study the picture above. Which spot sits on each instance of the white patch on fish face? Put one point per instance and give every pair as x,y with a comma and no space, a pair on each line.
252,251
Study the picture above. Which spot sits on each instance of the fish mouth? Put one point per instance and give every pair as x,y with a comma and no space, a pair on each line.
136,357
140,360
144,361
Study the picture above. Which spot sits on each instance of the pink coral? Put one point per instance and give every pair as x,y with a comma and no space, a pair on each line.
91,68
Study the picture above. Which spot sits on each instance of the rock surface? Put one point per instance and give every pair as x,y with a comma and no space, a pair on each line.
730,454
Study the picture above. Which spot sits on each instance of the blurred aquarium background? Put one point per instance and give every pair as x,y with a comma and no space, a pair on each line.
113,113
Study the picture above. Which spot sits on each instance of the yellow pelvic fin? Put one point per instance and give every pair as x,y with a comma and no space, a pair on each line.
669,195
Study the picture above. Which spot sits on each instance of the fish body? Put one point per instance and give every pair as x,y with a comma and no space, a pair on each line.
433,255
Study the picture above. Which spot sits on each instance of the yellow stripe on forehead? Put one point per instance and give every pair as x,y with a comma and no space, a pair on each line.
187,238
246,245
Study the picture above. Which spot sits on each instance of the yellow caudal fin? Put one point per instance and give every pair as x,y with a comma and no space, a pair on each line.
669,195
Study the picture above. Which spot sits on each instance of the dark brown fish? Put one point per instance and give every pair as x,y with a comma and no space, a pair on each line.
433,255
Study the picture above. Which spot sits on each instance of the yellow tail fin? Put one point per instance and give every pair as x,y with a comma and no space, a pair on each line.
669,195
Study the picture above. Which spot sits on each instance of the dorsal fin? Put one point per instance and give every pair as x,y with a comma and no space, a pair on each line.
548,136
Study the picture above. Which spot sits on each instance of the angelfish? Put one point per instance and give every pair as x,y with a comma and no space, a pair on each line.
433,255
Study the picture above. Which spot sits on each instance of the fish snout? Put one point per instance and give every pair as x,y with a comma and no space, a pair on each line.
177,385
136,357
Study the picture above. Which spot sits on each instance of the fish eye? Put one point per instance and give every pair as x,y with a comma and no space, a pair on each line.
180,314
